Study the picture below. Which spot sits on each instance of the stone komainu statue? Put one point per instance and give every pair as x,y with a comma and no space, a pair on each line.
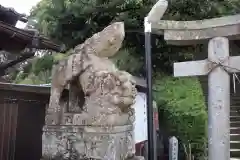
103,129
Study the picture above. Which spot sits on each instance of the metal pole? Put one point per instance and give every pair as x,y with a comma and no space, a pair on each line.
148,62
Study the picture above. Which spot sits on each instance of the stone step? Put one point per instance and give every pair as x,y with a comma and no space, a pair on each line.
235,144
234,95
235,124
235,130
235,153
234,118
234,98
235,108
235,137
235,103
234,113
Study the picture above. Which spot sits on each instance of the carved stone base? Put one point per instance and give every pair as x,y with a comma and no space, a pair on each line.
88,142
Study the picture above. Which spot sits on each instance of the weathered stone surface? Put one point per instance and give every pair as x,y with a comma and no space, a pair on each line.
79,142
198,24
199,31
96,121
88,58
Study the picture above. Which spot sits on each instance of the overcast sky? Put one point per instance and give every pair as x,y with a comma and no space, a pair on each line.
21,6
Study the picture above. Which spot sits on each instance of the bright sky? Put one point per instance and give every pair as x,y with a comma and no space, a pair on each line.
21,6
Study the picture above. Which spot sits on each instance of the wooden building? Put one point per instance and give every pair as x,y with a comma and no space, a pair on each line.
15,40
22,114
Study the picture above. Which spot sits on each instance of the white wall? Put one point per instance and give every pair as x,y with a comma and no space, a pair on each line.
141,118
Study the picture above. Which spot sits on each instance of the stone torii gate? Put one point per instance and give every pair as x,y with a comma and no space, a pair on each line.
217,66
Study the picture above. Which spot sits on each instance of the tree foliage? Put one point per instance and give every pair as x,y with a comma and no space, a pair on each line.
72,21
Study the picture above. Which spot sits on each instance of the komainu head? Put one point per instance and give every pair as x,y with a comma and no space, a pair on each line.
105,43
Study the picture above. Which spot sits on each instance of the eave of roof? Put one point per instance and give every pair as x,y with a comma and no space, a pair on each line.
21,38
25,38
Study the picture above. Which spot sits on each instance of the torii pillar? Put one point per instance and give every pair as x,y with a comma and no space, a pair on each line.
218,95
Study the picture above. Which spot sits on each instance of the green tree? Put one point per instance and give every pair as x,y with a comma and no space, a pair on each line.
71,22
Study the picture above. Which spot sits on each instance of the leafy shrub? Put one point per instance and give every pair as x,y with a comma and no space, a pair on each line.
45,76
27,68
42,64
125,60
182,104
35,80
20,76
13,75
59,56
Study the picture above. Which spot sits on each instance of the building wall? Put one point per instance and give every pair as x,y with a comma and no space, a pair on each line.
21,120
140,125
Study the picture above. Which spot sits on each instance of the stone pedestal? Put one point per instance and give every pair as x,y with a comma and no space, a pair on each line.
87,142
